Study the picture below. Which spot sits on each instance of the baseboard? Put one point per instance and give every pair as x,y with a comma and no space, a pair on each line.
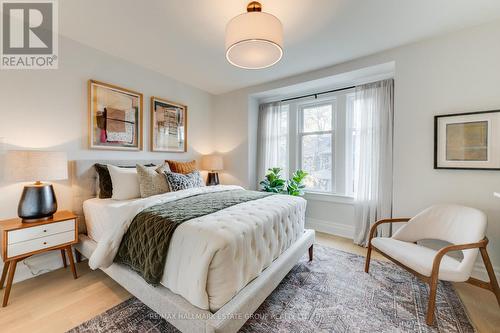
479,271
330,227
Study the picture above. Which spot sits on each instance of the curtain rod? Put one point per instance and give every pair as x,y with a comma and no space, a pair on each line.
317,94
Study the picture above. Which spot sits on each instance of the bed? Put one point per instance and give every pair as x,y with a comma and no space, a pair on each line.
220,267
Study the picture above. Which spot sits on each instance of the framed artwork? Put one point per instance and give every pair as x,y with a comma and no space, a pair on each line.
467,141
168,126
115,117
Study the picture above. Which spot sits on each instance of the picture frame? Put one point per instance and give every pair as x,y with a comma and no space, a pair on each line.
115,117
467,141
168,126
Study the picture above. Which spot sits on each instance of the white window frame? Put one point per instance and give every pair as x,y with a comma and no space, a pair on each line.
339,133
300,133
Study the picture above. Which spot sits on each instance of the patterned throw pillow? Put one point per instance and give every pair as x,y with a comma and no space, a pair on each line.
182,167
177,181
151,181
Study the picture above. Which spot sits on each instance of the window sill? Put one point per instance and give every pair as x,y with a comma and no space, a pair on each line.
329,197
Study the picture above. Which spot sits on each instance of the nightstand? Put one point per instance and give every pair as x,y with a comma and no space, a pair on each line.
21,240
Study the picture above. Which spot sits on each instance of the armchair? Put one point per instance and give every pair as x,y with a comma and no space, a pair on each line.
461,226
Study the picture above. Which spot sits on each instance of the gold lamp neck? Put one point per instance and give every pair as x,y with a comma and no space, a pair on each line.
254,6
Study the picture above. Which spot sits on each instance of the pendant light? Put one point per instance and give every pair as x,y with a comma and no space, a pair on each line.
254,40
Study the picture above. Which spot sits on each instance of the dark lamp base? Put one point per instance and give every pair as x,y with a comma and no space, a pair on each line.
213,178
38,202
37,219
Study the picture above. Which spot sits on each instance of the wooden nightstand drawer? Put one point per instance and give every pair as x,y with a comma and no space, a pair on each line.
17,236
20,248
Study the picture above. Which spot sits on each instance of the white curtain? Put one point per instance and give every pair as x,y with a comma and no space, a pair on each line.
374,105
272,148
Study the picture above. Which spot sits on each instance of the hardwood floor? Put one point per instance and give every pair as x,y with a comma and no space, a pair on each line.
54,302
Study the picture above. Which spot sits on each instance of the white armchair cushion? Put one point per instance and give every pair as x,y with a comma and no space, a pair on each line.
420,259
451,223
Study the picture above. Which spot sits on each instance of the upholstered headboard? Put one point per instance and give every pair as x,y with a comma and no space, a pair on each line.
83,182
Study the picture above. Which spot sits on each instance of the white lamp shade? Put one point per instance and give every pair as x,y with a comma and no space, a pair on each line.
254,40
30,165
212,162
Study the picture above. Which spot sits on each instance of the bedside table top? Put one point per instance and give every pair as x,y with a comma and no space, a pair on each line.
17,223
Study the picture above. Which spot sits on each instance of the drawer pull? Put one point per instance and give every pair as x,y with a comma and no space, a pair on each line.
45,230
44,243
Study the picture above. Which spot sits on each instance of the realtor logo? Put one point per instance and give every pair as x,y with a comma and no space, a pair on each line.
29,34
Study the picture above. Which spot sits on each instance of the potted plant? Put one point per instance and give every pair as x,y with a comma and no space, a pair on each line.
273,182
276,184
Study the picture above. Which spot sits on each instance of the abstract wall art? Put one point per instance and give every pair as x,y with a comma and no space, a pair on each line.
168,126
467,141
115,117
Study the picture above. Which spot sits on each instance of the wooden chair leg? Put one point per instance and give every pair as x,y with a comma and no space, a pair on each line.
63,256
368,258
491,273
311,251
433,283
4,273
12,270
69,252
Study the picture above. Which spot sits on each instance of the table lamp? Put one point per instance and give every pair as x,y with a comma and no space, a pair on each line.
212,163
38,201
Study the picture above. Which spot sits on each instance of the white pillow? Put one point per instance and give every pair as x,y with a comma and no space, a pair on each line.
125,183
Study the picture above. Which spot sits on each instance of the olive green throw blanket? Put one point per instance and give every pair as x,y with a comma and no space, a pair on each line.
144,246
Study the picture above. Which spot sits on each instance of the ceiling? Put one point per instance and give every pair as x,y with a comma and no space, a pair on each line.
184,39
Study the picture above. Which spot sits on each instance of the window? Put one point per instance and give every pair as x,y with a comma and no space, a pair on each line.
322,138
274,138
316,142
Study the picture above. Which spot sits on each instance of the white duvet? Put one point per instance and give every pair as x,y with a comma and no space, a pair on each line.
212,257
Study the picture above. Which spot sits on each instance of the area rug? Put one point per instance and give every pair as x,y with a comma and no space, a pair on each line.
330,294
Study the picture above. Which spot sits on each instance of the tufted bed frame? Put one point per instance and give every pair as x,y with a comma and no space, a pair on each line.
174,308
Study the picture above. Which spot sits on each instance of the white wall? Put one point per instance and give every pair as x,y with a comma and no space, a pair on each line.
459,72
48,109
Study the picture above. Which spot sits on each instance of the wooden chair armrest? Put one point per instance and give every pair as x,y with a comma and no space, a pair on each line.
379,222
450,248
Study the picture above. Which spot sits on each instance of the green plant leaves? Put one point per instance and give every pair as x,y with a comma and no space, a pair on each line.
295,185
275,184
